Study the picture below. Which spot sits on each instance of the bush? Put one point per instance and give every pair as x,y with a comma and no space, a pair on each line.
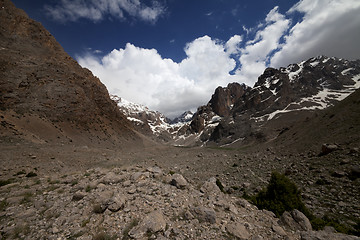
31,174
280,195
283,195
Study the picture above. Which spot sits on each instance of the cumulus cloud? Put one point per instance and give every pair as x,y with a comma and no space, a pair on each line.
233,44
143,76
96,10
257,52
328,28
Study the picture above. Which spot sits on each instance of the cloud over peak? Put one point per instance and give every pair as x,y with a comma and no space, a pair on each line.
327,27
96,10
143,76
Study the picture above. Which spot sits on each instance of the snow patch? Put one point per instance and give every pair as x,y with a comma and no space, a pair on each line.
346,71
293,75
314,64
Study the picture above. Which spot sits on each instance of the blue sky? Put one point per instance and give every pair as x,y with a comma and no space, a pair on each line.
170,55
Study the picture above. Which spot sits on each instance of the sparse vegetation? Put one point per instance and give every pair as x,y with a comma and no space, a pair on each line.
31,174
3,205
6,182
20,230
279,196
27,198
88,188
283,195
104,236
22,172
74,182
128,228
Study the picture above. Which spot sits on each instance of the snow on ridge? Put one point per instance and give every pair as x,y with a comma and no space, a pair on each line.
314,64
321,100
293,75
344,72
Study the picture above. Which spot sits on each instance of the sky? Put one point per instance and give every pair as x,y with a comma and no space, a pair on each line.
170,55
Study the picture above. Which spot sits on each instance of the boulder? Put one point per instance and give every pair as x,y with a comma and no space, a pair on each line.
238,230
204,214
178,181
210,187
116,203
154,222
328,148
295,220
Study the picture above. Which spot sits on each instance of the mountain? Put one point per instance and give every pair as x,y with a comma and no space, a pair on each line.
280,97
152,123
183,118
45,95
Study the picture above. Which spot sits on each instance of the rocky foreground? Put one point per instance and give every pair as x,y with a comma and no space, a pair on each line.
137,203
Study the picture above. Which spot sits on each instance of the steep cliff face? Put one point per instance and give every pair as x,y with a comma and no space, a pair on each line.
38,77
280,97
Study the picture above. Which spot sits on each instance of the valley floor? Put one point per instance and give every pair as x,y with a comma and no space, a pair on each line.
32,174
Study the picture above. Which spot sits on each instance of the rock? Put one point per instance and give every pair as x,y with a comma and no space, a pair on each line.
138,176
354,150
156,171
279,230
152,223
354,172
178,181
345,161
78,196
338,174
204,214
296,220
111,178
210,187
328,148
238,230
232,209
116,203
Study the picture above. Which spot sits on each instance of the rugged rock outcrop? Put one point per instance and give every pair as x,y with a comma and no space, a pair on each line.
39,80
284,95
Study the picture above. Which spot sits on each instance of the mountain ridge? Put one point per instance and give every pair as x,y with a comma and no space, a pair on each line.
39,80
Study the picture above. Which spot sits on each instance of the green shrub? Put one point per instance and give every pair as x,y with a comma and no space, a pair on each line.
3,205
31,174
128,228
280,195
6,182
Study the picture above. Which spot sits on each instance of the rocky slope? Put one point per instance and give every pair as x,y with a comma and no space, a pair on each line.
44,94
137,203
280,97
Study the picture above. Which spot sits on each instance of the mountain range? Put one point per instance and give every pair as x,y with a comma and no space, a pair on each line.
241,114
80,163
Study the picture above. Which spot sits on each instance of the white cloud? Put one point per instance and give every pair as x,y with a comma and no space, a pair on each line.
328,28
257,51
143,76
96,10
233,44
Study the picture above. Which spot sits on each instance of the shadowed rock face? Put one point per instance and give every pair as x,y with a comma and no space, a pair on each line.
224,99
38,77
278,94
